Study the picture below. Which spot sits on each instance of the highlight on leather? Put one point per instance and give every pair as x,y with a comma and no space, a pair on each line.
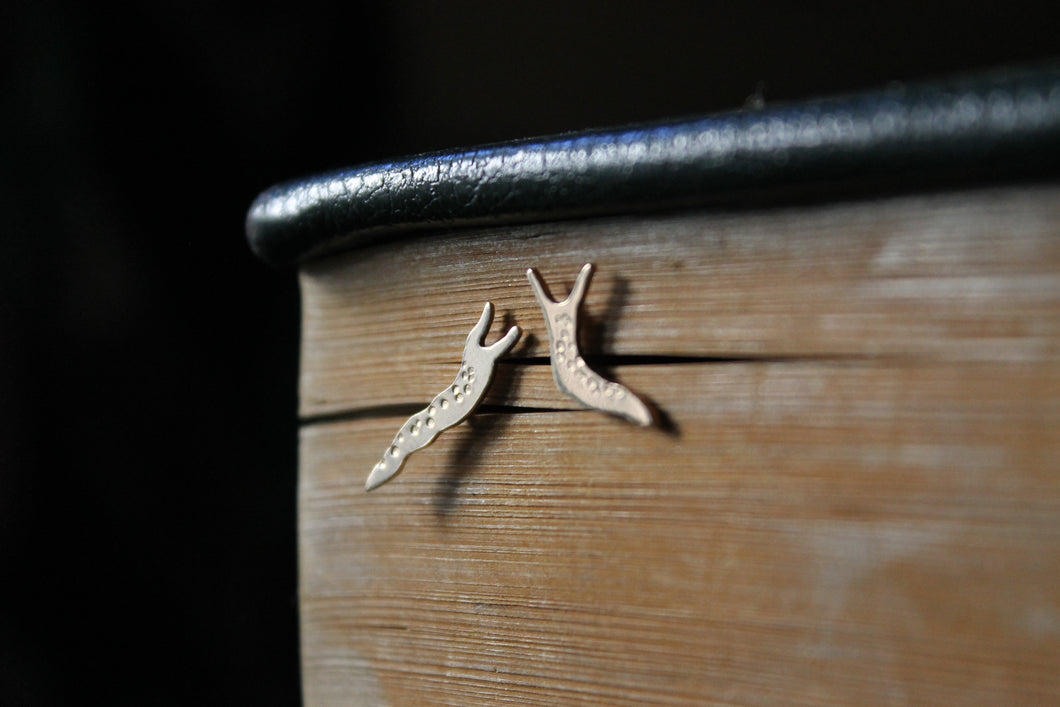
978,127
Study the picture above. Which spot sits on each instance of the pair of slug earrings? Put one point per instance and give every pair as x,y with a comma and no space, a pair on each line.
572,375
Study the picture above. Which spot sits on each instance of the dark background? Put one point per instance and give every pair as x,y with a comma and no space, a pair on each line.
148,363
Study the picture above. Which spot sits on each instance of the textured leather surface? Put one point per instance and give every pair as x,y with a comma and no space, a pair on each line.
999,123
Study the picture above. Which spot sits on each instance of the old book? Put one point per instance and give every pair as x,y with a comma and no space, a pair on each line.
850,494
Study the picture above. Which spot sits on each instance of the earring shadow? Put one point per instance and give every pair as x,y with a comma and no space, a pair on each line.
597,333
598,339
483,427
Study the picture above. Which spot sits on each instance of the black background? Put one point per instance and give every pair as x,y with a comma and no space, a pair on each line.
148,363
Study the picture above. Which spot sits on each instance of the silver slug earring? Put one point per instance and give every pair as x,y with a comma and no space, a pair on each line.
453,405
572,375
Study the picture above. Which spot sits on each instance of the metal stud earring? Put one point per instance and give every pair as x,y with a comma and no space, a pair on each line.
572,375
453,405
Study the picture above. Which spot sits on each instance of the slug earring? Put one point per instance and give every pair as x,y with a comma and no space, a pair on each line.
572,375
451,406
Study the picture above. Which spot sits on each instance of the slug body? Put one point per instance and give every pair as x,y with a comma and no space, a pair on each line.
450,407
570,371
